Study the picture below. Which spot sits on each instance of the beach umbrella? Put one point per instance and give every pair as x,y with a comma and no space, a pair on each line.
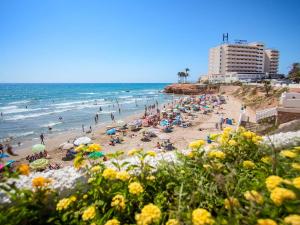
39,164
82,141
38,148
120,123
95,155
67,146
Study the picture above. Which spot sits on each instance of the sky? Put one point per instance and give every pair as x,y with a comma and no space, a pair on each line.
134,40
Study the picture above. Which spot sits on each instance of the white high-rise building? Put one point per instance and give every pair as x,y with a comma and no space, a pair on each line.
231,62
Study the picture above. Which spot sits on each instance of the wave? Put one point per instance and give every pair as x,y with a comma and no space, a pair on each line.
33,115
125,96
88,93
8,107
20,110
19,102
23,134
107,112
51,124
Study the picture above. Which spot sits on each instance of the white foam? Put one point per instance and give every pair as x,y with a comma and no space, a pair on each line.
21,134
8,107
19,102
107,112
51,124
88,93
33,115
19,110
125,96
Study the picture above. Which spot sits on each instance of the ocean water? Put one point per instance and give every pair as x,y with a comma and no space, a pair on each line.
29,109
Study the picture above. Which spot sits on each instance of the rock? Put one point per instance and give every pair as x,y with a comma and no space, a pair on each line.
190,89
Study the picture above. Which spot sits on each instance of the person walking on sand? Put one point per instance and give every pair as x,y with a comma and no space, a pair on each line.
112,116
42,138
119,110
82,126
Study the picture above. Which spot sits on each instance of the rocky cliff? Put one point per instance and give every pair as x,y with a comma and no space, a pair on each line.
190,89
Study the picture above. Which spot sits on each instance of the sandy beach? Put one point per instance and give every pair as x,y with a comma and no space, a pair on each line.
202,125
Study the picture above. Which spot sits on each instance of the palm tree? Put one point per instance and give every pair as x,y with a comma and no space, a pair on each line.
186,74
179,77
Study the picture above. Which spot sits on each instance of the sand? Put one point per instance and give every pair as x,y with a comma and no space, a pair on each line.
181,137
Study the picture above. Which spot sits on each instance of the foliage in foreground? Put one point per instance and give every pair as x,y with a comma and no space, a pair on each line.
238,181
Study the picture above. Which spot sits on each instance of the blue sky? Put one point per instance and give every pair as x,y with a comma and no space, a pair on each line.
134,40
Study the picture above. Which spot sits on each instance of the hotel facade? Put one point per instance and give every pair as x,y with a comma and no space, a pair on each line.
241,61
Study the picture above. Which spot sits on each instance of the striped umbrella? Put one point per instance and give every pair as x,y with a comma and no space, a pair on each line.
38,148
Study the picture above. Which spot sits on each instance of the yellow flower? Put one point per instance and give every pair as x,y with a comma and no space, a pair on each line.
149,214
216,154
232,142
296,182
135,188
297,148
256,139
24,169
296,166
123,176
248,134
293,219
40,182
73,198
273,181
79,162
80,148
95,169
64,203
218,166
151,178
254,196
109,174
151,153
118,202
227,129
288,154
133,152
112,222
206,166
202,217
191,154
196,144
278,195
266,159
172,222
214,136
94,148
248,164
231,202
89,213
91,179
85,196
266,222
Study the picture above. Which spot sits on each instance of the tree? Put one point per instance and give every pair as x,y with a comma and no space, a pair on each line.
187,70
267,87
294,73
179,77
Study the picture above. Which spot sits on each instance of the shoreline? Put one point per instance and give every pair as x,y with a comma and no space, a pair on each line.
181,137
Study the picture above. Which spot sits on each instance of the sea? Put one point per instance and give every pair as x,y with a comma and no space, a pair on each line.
27,110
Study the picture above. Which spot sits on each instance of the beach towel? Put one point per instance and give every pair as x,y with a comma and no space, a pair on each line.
111,131
3,155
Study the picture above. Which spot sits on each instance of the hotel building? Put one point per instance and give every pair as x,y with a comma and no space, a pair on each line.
241,61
